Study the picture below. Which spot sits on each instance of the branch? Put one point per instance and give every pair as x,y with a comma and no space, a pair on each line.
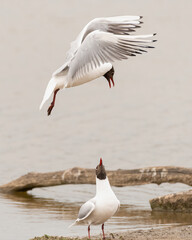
118,178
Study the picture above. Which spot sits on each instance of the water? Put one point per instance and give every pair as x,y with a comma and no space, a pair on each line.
146,120
51,211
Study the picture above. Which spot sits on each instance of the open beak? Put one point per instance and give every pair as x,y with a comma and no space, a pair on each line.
112,81
109,81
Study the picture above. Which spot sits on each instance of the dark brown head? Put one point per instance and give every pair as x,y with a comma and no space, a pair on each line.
100,171
109,76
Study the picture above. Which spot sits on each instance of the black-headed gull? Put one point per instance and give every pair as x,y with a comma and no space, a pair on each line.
103,206
101,42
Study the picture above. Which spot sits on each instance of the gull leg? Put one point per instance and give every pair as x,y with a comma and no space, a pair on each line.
103,231
53,103
89,232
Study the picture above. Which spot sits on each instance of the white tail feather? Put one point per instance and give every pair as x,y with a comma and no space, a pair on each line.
49,90
74,223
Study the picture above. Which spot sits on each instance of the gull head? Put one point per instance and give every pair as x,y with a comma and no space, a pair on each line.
109,76
100,170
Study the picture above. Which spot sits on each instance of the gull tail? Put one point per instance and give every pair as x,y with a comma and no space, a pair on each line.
49,90
58,81
74,223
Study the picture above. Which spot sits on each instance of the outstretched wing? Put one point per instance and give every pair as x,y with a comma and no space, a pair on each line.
121,25
103,47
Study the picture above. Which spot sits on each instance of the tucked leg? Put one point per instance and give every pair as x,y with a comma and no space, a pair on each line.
89,232
103,231
53,103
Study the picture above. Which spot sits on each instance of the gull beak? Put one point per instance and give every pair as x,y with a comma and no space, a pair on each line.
100,162
110,80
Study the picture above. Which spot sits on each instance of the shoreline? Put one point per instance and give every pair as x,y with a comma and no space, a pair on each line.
167,233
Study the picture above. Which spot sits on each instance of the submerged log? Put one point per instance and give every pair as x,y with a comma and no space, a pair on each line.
177,202
118,178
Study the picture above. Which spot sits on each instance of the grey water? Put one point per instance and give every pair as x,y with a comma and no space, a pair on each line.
145,120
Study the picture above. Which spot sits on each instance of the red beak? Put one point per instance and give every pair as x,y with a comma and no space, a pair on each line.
109,81
100,161
112,81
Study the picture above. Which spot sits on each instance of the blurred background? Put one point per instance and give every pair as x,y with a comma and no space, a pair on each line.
145,120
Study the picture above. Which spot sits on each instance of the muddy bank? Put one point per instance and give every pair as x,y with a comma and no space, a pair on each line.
170,233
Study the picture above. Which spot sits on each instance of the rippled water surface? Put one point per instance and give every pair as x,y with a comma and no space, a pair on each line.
145,120
51,211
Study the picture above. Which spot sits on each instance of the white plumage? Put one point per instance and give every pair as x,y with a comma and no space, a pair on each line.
101,42
100,208
103,206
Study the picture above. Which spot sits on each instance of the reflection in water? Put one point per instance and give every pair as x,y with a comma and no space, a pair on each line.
171,217
51,210
127,217
59,210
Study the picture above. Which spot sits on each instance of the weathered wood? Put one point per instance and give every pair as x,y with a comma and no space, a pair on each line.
177,202
118,178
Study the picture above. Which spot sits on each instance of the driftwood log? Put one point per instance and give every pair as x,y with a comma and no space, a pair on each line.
118,178
177,202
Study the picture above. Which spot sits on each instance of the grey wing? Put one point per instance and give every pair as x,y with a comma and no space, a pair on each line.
85,210
121,25
102,47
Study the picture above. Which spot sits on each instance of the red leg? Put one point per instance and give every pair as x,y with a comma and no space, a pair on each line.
103,231
53,103
89,232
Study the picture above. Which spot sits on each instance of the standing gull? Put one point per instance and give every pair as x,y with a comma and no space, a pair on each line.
101,42
103,206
